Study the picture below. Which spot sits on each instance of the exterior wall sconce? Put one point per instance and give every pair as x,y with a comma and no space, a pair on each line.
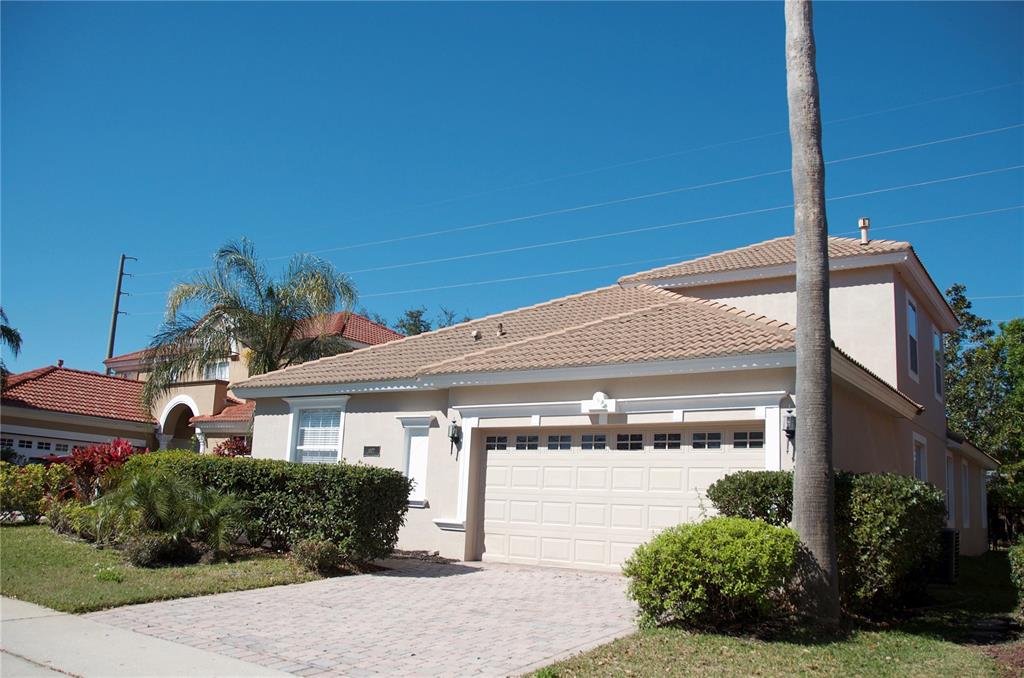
789,425
454,434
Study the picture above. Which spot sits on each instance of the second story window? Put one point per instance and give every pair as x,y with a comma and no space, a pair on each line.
912,347
938,359
216,370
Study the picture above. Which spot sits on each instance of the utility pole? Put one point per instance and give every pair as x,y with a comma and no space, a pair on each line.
117,304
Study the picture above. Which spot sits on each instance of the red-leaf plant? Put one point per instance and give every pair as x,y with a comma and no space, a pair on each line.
88,464
236,446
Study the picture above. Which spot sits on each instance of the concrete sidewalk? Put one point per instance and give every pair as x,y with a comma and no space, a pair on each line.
38,641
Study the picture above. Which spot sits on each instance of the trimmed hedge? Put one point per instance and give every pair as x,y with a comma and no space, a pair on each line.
887,528
25,491
359,508
1017,568
720,571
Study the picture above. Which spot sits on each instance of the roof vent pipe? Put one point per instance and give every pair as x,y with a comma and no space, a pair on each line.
864,224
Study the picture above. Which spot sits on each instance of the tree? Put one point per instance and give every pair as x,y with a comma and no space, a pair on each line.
446,317
276,321
413,321
11,338
813,501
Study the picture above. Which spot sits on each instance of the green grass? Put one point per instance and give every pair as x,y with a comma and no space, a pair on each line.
939,640
40,566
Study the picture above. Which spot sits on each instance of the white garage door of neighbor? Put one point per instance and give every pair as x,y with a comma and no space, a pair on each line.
589,509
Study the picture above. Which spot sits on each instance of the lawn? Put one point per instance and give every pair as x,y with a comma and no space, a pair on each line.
40,566
944,639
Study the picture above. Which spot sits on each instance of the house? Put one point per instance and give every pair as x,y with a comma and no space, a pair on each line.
568,432
200,410
52,410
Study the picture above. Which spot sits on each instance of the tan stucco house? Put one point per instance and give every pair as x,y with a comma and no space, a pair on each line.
200,410
568,432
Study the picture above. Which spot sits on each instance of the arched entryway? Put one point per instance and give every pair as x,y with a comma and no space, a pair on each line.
175,430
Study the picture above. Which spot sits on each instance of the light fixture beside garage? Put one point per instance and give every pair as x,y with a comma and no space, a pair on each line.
789,424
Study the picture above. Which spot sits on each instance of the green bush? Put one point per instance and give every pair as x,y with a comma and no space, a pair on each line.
1017,568
359,508
886,528
720,571
763,495
148,549
25,491
322,557
73,517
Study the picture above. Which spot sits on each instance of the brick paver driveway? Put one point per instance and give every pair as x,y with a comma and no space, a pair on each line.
418,619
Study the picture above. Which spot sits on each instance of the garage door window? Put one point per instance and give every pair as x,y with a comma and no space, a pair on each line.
496,442
595,441
527,442
629,441
707,441
560,442
753,440
668,441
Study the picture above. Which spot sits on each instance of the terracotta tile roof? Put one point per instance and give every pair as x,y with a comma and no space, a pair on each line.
235,410
777,252
358,328
680,329
62,389
551,323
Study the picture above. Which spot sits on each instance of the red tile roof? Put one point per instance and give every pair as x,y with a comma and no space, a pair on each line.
235,410
62,389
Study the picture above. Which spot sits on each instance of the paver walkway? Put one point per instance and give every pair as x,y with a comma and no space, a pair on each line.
418,619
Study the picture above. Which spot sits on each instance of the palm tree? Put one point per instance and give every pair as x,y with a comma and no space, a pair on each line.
276,321
11,338
813,501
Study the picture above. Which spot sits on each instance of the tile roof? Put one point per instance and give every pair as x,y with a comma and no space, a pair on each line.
62,389
607,325
776,252
358,328
235,410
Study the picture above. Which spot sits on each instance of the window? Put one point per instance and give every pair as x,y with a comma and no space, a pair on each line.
629,441
496,443
912,337
668,441
938,359
560,442
707,441
25,444
7,443
950,492
216,370
753,440
920,460
319,431
527,442
61,447
965,493
40,445
594,441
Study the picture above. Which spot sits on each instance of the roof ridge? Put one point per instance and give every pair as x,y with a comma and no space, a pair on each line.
702,258
28,375
440,330
553,333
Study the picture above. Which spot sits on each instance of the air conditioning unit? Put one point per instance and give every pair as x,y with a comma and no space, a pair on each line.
947,569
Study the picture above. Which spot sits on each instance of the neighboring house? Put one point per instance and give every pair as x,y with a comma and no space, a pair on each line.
584,424
200,410
52,410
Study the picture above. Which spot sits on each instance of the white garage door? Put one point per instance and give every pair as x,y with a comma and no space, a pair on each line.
586,499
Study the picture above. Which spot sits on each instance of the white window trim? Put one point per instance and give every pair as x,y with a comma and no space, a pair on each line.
207,368
915,375
918,438
950,491
418,425
938,366
295,407
965,495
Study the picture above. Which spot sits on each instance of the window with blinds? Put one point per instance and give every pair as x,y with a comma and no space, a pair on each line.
318,436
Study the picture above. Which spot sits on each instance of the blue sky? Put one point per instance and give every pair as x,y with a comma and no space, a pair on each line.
164,130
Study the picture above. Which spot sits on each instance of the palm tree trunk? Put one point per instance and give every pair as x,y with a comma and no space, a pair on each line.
813,502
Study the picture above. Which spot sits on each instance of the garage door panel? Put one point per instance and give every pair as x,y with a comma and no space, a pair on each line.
496,509
627,478
558,477
592,515
556,512
660,517
526,476
558,549
520,511
628,516
522,546
592,478
666,479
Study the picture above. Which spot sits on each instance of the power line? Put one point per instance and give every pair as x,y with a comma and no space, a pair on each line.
608,203
999,296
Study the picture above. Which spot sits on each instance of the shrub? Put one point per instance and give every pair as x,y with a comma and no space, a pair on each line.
764,495
71,516
25,491
147,549
359,508
886,528
318,555
88,464
719,571
236,446
1017,568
